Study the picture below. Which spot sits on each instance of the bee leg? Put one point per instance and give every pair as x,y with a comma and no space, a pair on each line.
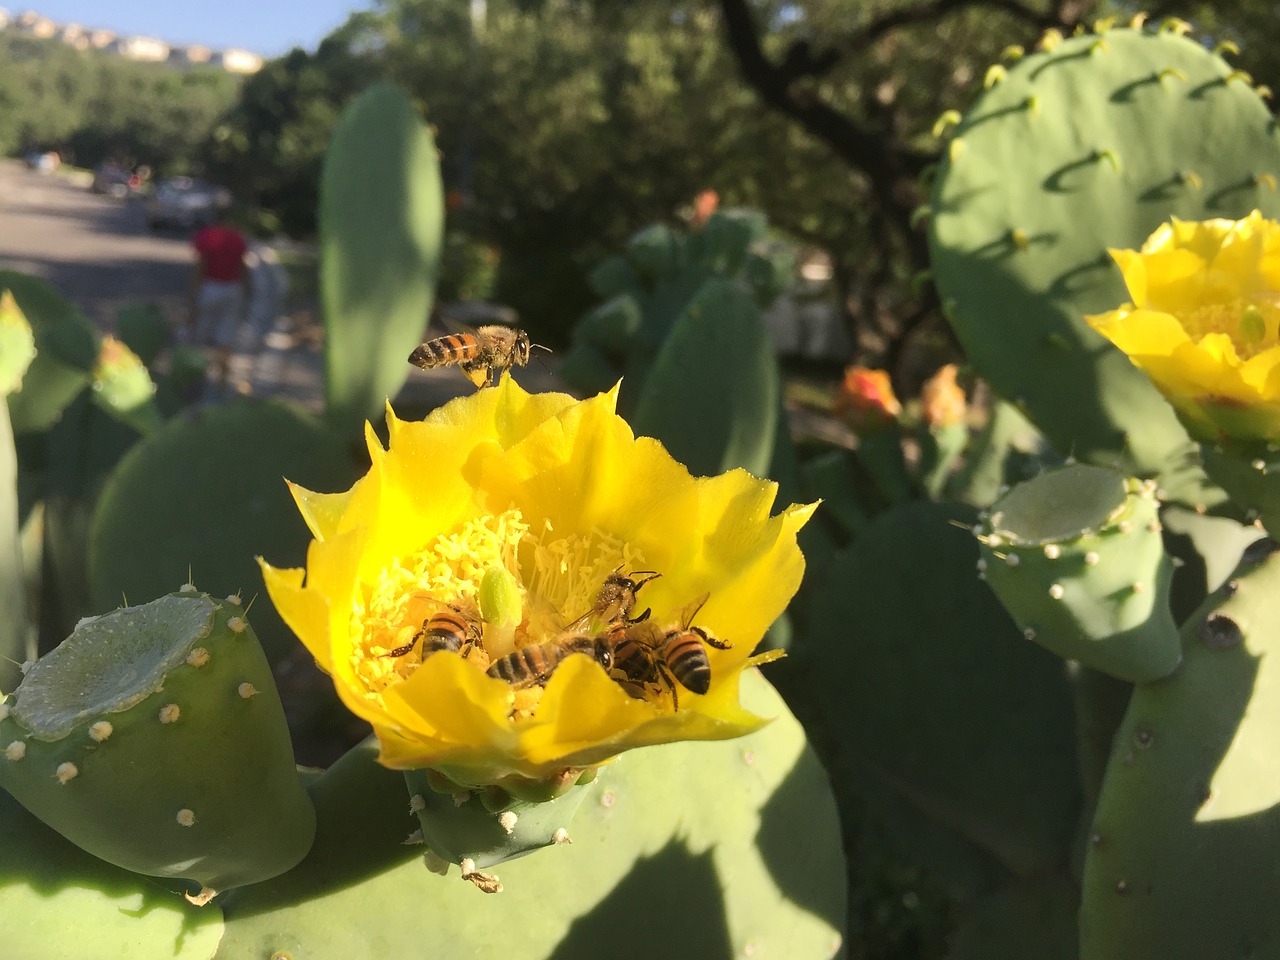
671,685
713,641
640,619
401,651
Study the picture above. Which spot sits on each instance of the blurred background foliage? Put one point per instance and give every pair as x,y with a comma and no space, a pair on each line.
564,123
563,126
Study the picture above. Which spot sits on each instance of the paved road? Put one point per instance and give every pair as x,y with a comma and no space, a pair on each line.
96,250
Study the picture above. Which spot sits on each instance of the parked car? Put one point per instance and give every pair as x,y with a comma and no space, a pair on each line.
186,203
45,161
112,179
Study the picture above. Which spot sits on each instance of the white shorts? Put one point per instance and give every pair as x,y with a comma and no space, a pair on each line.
219,310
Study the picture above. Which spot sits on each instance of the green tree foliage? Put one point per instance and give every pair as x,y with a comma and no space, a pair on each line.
567,125
93,106
271,144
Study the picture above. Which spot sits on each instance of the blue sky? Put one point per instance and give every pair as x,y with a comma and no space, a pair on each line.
268,27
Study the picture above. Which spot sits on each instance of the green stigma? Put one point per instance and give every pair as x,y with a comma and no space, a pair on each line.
1253,326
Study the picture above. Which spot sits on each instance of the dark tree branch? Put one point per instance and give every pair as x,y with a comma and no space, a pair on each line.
800,60
891,170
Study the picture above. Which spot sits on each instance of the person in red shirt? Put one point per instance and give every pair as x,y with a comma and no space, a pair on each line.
219,291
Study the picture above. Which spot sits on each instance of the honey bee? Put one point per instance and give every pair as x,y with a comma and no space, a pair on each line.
479,353
617,598
534,664
454,628
645,654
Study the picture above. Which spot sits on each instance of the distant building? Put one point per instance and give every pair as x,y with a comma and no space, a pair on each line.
36,25
237,61
74,35
146,49
190,55
142,48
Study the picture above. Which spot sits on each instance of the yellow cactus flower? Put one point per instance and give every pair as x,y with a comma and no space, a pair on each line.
500,516
1204,323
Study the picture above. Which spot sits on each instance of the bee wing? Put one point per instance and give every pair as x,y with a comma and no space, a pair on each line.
690,610
456,326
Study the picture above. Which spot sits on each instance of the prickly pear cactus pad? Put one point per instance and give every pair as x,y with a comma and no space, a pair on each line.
58,902
704,850
1076,557
1087,144
1181,860
122,386
456,592
17,344
153,737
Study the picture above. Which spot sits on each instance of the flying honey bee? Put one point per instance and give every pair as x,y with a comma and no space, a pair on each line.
480,353
617,598
455,627
646,654
534,664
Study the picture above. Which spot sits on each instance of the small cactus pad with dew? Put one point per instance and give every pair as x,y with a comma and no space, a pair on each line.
494,824
1181,861
1076,557
1088,145
153,737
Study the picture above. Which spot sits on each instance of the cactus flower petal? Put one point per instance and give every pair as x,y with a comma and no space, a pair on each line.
548,496
1204,323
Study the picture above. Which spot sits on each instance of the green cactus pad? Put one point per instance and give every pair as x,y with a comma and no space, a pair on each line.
457,826
1088,146
207,493
123,388
712,394
15,633
1076,557
144,330
153,737
59,903
649,292
698,850
17,344
1034,919
381,233
918,671
66,350
1251,475
1181,860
